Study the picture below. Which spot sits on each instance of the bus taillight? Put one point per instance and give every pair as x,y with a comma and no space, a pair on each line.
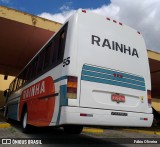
149,97
72,87
84,11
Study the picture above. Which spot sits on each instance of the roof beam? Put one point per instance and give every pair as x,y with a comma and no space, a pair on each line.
153,55
29,19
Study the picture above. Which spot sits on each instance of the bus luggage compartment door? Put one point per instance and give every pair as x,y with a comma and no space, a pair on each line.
100,89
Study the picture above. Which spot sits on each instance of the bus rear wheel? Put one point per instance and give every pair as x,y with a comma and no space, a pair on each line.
25,126
73,129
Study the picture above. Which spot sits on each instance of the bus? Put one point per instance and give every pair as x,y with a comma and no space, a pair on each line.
93,72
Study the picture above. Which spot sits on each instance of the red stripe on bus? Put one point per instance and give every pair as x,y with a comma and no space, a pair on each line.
40,111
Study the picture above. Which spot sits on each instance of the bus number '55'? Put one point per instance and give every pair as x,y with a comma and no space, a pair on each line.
66,61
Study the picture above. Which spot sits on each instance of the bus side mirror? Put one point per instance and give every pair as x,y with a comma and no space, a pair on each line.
5,93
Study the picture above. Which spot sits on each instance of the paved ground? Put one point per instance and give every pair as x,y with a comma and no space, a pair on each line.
95,137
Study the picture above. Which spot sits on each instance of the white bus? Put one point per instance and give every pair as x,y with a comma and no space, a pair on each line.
93,71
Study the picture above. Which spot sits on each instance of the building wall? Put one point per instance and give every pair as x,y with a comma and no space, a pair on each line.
4,84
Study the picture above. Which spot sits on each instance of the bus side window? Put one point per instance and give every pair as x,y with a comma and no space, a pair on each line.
28,73
15,84
61,45
10,87
33,68
47,62
24,76
20,80
40,62
55,46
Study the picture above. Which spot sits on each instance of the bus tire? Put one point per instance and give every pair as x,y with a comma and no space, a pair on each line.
25,126
73,129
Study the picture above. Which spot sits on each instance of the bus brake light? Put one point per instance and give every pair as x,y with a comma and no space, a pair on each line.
72,87
145,118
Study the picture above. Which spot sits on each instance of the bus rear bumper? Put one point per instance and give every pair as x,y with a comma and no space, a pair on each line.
89,116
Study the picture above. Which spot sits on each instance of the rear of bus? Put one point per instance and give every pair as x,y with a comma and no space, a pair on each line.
109,78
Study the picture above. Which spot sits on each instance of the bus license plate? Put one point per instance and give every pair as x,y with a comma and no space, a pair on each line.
118,98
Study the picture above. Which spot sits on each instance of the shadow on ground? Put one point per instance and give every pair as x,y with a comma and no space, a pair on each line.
52,135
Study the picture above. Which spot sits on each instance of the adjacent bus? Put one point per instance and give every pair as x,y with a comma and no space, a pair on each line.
93,71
